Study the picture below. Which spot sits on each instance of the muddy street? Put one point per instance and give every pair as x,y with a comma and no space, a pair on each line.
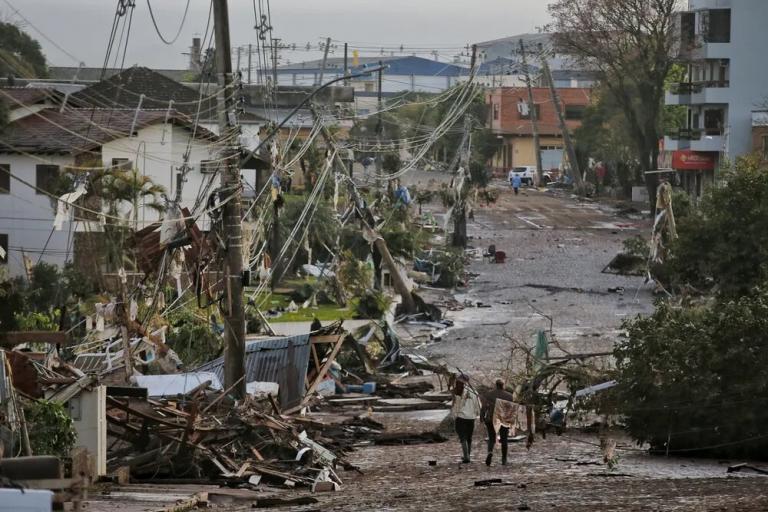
556,248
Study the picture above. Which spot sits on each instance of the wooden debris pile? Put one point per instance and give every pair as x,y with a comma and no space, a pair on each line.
205,436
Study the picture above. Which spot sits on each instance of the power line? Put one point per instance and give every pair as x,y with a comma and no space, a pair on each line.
157,29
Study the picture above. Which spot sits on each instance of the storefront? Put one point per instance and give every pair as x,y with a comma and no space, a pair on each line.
696,170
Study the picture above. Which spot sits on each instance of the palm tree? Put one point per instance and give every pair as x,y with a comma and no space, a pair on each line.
118,191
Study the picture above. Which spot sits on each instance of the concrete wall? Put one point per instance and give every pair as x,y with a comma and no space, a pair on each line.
27,216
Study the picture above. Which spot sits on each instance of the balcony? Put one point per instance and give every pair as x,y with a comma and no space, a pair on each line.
694,139
698,93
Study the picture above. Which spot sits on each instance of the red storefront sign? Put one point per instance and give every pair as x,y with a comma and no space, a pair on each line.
693,160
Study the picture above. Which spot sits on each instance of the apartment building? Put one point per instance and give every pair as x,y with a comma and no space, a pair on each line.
720,44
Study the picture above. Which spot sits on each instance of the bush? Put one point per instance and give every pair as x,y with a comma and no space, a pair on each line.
693,380
51,428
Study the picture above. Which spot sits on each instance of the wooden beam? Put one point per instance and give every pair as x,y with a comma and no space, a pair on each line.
12,338
321,374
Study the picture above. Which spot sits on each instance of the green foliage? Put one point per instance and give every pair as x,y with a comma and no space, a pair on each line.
323,227
372,304
192,339
695,376
51,428
354,274
404,242
20,54
38,321
451,267
725,242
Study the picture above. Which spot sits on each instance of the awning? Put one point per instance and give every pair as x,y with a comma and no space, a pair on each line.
686,160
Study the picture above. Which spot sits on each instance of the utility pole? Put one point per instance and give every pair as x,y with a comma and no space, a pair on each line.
250,51
534,113
366,218
325,59
379,129
561,119
275,47
239,51
346,63
234,316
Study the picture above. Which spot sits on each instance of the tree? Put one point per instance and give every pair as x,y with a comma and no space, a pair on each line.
20,54
692,378
724,244
628,44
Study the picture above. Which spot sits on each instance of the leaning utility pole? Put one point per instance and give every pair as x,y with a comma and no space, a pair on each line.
234,315
561,119
534,114
366,217
325,59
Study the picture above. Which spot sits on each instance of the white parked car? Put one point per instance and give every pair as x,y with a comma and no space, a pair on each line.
527,174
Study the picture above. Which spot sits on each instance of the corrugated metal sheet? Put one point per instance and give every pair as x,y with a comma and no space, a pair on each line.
282,360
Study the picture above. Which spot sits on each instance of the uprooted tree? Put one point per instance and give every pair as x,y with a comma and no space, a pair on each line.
628,44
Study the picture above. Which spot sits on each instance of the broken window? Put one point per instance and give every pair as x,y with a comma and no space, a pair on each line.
46,178
5,178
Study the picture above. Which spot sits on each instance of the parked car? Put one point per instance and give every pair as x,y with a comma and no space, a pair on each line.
527,174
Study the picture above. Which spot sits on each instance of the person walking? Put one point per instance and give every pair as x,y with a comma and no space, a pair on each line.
516,182
465,410
489,415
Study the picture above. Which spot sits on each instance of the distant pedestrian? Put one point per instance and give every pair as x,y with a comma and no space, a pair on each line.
465,410
488,414
516,182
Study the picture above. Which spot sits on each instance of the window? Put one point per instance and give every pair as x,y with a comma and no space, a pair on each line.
46,176
208,166
495,111
714,121
123,164
525,112
5,178
765,147
573,112
715,25
3,249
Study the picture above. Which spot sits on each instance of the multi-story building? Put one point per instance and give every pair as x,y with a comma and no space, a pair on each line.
720,43
510,121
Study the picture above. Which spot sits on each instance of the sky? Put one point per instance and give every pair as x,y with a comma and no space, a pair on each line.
82,27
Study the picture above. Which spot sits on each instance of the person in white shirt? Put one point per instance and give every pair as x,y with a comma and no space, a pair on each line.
465,410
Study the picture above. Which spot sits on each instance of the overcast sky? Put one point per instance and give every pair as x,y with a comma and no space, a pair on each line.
82,26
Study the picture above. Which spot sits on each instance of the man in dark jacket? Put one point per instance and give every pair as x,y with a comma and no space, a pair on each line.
486,414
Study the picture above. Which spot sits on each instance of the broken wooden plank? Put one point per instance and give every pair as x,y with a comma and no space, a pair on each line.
12,338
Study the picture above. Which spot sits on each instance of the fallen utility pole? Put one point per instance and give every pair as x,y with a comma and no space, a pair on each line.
234,314
534,113
561,120
378,242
